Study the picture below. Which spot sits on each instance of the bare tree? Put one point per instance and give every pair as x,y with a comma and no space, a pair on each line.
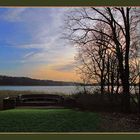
92,57
84,26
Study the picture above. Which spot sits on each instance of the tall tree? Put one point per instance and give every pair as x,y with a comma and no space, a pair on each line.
119,27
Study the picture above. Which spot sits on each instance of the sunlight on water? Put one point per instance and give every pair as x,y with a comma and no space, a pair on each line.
54,89
47,89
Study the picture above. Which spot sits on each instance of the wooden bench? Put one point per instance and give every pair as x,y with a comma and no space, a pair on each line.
39,100
9,103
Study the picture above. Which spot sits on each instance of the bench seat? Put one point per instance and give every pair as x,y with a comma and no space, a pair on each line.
39,99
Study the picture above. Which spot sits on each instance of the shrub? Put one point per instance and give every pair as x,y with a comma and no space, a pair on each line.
69,102
98,102
8,103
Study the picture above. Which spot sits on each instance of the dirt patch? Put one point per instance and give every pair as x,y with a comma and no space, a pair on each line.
117,122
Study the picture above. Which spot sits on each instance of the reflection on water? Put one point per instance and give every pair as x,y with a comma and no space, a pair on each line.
47,89
56,89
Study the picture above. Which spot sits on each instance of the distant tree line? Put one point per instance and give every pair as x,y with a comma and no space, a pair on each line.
25,81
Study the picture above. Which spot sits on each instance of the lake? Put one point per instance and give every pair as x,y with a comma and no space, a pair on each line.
46,89
52,89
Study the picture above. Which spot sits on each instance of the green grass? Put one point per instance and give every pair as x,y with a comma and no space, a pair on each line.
47,120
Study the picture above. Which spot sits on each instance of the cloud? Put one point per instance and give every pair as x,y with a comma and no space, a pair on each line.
47,72
43,25
13,14
65,67
43,46
28,54
34,46
50,56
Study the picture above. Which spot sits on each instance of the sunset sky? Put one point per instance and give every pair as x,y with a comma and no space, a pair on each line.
31,44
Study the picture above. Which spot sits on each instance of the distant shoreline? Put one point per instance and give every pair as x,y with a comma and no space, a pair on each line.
26,81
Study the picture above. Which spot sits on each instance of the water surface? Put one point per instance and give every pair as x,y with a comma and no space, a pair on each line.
47,89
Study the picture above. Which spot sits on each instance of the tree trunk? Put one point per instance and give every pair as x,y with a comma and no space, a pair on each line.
108,75
102,85
124,75
117,82
126,95
139,95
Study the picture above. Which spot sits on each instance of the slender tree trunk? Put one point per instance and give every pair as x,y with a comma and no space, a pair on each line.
112,83
108,75
139,96
117,82
126,76
126,95
102,85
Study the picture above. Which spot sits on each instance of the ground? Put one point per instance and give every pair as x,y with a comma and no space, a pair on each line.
63,120
66,120
47,120
118,122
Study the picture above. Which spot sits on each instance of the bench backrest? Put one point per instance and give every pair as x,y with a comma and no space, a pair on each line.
39,96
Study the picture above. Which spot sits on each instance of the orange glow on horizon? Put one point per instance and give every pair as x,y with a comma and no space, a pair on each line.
50,74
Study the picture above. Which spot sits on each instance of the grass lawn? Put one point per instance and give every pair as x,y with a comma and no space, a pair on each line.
47,120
